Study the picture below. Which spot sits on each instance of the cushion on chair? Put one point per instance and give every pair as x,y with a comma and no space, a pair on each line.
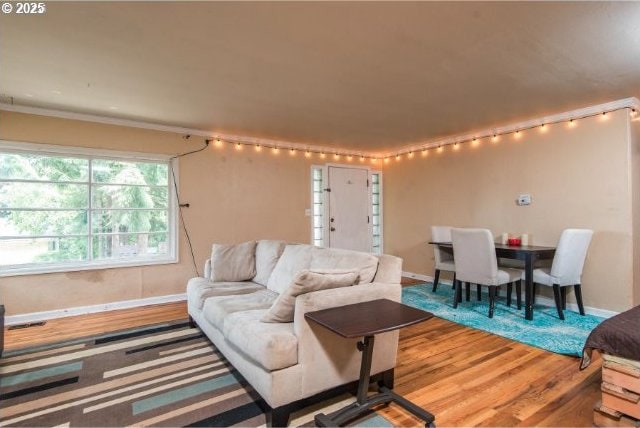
294,259
200,289
446,266
542,276
216,308
332,258
506,275
267,255
272,345
305,282
233,262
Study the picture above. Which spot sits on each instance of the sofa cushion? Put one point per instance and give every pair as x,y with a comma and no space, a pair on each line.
233,262
333,258
200,289
273,346
216,308
267,255
294,259
305,282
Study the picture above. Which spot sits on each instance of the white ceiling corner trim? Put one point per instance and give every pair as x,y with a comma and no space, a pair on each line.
631,103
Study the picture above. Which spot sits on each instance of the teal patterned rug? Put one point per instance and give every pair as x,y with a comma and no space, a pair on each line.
546,331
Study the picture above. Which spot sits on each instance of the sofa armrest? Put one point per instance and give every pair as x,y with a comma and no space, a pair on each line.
328,359
207,269
325,299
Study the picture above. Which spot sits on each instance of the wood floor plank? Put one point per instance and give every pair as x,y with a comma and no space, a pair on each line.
466,377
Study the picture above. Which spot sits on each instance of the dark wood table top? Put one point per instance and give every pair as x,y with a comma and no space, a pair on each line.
499,246
368,318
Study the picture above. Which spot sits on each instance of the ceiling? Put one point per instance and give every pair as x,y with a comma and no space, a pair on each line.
354,75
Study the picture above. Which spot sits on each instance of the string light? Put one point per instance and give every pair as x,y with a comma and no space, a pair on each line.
475,140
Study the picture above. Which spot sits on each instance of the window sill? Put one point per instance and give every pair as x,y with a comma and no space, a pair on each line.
57,268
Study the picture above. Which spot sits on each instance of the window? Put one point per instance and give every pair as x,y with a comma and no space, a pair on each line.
376,212
317,200
62,210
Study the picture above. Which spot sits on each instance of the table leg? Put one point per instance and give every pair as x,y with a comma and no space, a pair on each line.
528,287
365,367
364,402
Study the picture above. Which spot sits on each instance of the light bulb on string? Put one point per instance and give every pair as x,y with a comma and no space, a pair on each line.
307,154
425,152
456,146
258,148
336,156
238,146
292,152
218,142
361,158
410,155
322,155
349,158
275,150
495,138
439,149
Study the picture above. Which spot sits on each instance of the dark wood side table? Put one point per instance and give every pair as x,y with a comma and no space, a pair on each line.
365,320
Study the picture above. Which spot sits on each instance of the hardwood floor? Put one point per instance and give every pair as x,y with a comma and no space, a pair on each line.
465,377
60,329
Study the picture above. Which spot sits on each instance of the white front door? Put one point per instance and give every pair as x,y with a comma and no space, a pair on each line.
349,201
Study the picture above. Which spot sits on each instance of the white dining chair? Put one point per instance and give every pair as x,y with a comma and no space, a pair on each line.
566,269
476,263
444,260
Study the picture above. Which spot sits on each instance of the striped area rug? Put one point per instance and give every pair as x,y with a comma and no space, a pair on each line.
160,375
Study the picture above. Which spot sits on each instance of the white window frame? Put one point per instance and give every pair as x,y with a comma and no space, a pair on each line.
325,205
89,153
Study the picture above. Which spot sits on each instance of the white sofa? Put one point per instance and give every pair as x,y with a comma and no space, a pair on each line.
287,362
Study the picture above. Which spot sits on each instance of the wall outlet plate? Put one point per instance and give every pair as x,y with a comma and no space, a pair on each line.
524,199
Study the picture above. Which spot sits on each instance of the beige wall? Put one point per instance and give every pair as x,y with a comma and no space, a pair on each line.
634,148
234,196
578,177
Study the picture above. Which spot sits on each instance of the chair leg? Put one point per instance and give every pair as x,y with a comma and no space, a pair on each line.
457,294
519,293
479,292
192,322
558,299
577,288
535,291
436,277
453,284
492,300
563,296
509,290
467,291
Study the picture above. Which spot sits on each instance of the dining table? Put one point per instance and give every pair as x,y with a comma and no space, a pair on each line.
530,254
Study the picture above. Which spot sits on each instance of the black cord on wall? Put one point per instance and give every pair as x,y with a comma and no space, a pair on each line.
180,206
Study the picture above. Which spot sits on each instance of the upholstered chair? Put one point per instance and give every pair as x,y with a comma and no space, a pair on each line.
443,260
476,263
566,269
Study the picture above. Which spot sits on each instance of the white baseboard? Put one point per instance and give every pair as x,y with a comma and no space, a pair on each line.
540,300
83,310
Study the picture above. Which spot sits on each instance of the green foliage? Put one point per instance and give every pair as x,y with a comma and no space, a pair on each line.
130,197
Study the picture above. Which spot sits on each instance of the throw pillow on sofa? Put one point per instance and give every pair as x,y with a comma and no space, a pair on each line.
233,263
306,281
